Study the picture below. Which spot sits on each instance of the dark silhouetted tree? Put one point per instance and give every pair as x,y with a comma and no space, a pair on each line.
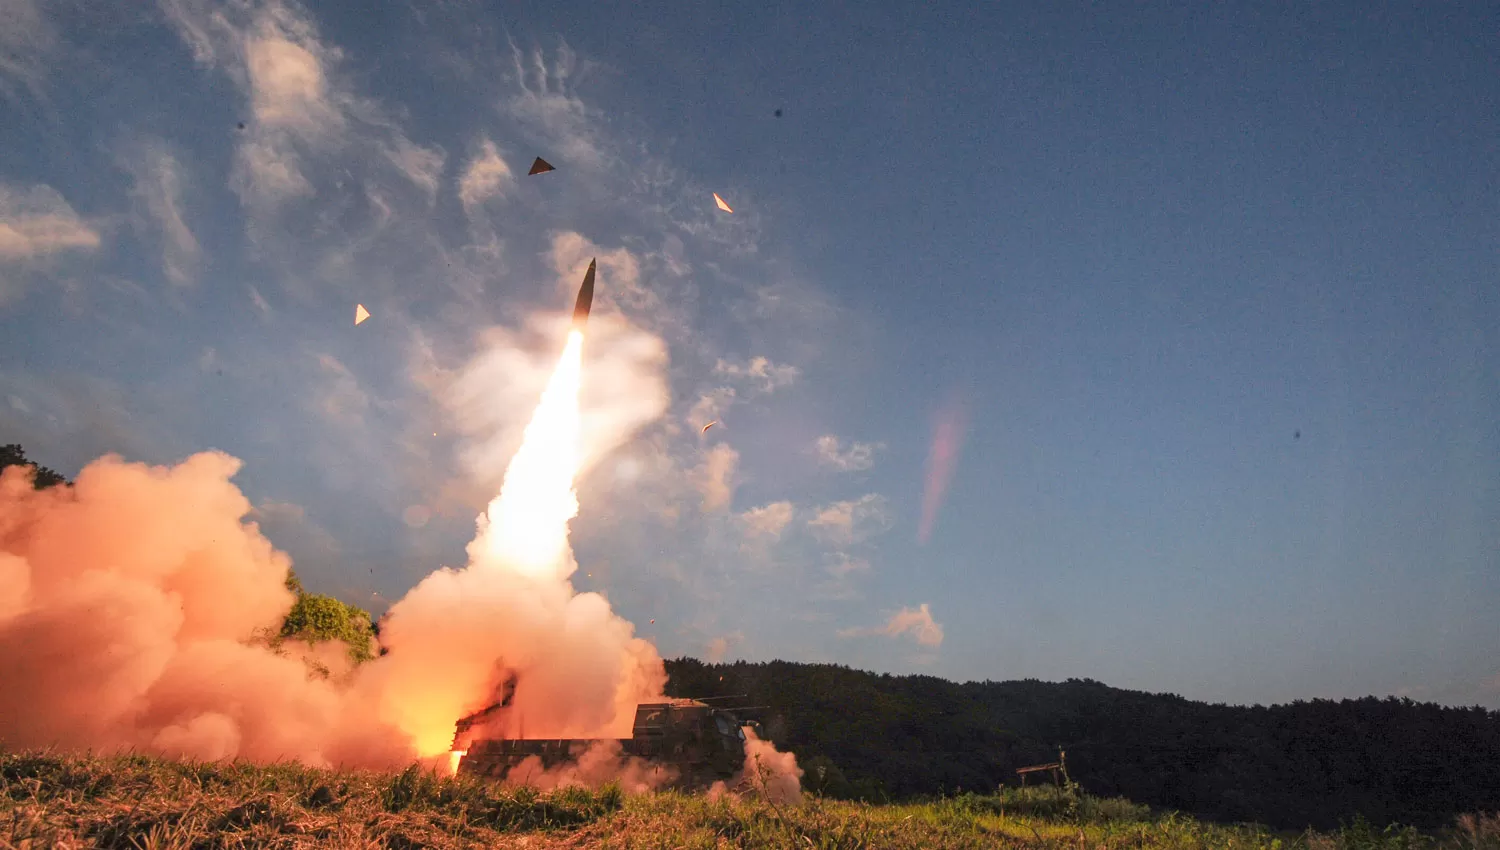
13,455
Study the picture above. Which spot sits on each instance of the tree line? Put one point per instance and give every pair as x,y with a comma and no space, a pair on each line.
1310,763
869,736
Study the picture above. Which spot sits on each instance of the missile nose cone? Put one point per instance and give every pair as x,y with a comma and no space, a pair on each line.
585,298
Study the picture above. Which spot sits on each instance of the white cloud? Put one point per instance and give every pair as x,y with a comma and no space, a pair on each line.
288,88
857,458
486,177
36,222
340,397
157,191
851,521
422,166
759,372
547,101
714,477
767,520
917,622
710,406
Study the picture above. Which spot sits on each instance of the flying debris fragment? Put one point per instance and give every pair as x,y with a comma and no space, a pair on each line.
540,166
708,426
585,300
653,622
360,313
720,201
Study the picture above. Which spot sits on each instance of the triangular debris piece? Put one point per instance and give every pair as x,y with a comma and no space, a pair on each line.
360,313
720,201
541,166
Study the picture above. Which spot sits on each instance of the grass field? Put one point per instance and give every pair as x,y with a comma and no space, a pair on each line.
60,801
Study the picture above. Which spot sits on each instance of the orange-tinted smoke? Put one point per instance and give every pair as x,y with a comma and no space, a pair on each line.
127,607
947,440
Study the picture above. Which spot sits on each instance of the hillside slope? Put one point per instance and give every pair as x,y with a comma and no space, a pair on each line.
872,736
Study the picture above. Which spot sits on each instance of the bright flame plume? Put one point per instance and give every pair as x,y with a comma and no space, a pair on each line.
526,527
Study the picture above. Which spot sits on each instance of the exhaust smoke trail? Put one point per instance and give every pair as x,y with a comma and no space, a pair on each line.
134,606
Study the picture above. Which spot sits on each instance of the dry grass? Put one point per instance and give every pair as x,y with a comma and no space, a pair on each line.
59,801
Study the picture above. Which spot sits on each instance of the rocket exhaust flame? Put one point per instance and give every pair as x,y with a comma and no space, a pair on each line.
525,528
152,585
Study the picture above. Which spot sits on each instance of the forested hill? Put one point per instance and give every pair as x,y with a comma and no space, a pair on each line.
1291,766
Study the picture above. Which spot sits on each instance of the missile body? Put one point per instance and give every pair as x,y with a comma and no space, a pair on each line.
585,299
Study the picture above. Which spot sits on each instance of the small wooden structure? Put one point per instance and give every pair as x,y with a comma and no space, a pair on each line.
1058,768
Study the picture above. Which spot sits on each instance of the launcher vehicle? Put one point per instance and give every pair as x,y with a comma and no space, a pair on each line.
701,742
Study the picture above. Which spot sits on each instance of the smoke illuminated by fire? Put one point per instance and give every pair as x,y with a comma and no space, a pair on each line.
526,527
134,607
130,603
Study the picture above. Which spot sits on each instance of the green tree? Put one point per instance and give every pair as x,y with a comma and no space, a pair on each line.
315,618
13,455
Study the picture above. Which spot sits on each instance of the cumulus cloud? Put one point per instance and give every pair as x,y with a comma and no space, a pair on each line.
487,177
759,372
36,222
157,187
851,521
857,458
916,622
767,520
714,477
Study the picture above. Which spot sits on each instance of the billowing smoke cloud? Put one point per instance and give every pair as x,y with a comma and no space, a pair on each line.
623,389
769,773
601,762
128,605
134,606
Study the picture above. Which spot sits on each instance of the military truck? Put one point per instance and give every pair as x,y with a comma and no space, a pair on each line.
701,742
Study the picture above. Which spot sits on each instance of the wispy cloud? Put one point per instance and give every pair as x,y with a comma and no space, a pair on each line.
547,99
759,372
335,190
714,477
37,225
916,622
856,458
157,187
36,222
487,176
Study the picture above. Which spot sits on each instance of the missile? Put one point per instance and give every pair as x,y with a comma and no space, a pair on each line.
585,299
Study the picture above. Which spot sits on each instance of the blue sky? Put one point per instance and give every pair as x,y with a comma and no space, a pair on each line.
1215,292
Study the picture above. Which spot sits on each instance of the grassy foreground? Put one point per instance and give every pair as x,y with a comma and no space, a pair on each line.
63,801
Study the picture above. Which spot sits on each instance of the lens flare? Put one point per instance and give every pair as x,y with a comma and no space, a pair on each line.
525,528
